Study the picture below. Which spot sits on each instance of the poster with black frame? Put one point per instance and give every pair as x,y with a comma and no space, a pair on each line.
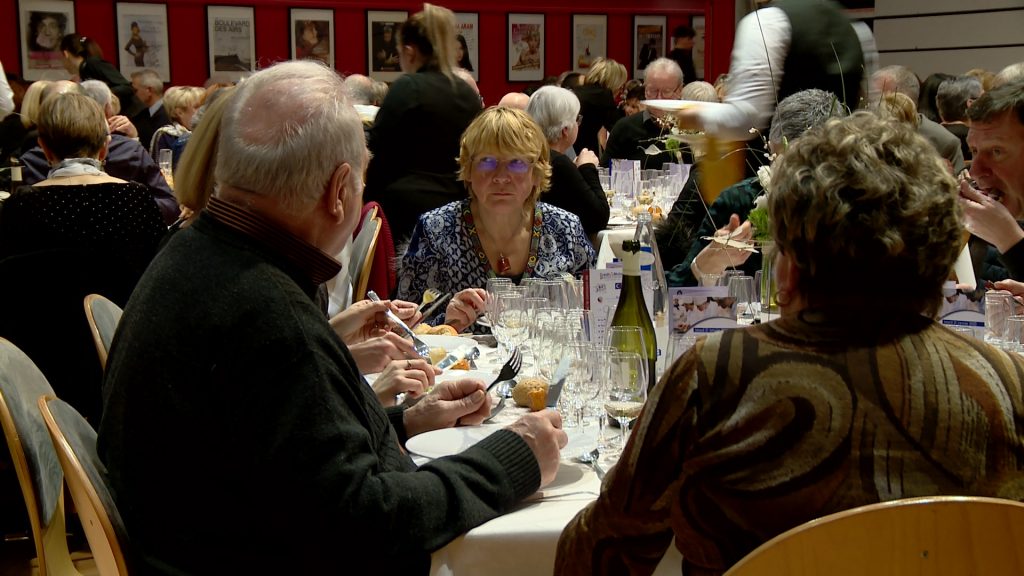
648,42
589,40
382,40
42,26
231,37
467,52
525,47
142,39
312,35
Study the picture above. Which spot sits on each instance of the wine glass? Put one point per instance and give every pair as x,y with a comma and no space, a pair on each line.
628,339
741,288
627,390
509,322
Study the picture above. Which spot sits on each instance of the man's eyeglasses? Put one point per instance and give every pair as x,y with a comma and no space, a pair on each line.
651,92
514,166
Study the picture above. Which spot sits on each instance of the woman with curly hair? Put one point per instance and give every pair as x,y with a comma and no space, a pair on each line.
856,395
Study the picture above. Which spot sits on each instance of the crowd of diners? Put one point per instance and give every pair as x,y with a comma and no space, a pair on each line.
234,419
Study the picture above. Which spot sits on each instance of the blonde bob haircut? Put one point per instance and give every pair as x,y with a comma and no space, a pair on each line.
31,102
194,178
72,125
506,132
177,99
607,73
863,197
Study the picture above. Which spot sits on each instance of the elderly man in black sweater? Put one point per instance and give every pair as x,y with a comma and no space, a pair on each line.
238,434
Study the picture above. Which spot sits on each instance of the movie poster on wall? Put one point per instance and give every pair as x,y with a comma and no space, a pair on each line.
313,35
648,42
467,52
525,47
232,37
382,35
589,40
43,24
142,39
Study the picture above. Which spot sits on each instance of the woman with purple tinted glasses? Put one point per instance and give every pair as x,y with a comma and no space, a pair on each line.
501,229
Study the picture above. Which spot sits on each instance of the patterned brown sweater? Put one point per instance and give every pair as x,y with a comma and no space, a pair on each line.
758,430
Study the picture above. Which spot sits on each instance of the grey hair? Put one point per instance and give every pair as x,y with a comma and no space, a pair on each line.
665,65
802,111
1012,73
98,91
149,79
952,96
701,91
380,90
898,79
286,131
553,108
360,88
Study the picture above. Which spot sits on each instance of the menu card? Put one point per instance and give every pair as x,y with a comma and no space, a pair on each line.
694,307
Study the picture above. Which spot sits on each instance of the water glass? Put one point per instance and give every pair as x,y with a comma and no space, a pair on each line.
1015,334
998,307
627,390
741,288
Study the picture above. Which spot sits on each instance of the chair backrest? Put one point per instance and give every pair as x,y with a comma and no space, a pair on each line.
938,536
75,442
35,462
103,316
363,248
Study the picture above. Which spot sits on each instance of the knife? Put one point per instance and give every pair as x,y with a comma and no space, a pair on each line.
470,353
557,381
431,310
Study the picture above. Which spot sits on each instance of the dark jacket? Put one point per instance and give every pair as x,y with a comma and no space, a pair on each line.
597,106
578,190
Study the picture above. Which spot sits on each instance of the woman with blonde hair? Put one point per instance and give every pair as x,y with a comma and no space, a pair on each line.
597,103
501,229
415,135
194,180
181,103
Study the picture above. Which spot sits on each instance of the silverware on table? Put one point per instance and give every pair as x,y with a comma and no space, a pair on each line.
510,369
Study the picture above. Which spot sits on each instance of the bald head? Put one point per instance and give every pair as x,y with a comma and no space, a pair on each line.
467,77
516,100
61,87
360,88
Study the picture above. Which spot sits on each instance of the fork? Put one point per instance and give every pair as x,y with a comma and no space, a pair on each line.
510,369
429,295
421,347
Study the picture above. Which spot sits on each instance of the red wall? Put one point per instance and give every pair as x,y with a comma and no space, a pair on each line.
187,26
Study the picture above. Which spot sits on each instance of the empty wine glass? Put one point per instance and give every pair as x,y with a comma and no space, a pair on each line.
628,339
741,288
627,390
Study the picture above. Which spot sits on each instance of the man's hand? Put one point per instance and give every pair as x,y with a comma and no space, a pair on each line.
586,157
454,402
464,308
413,377
372,355
361,321
715,257
988,219
543,433
122,125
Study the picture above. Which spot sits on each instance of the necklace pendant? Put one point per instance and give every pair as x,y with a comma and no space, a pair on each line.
504,266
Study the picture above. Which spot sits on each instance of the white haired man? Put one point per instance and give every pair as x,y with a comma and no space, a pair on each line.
632,135
149,89
236,421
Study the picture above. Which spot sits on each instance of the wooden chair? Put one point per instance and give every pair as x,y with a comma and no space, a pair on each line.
363,247
35,462
103,316
937,536
75,442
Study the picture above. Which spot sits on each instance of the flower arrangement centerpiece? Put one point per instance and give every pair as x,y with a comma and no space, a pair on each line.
760,219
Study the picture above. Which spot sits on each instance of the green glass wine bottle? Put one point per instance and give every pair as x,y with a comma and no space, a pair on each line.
632,309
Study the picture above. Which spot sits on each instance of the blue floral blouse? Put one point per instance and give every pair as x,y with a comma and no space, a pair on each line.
443,252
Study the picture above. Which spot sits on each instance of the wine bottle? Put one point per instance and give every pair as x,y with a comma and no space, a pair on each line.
631,309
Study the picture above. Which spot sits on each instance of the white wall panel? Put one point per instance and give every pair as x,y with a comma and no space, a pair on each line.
902,7
961,30
953,61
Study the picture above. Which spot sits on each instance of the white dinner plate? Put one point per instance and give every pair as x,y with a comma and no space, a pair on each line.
449,343
448,441
449,374
676,105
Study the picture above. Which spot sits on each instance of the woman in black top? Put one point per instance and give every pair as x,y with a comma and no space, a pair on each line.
84,57
597,103
415,136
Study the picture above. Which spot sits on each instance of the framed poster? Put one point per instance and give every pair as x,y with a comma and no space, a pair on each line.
43,24
313,35
382,36
648,42
142,39
467,52
697,23
589,40
231,33
525,47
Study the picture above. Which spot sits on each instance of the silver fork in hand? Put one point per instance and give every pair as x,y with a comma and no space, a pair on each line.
421,347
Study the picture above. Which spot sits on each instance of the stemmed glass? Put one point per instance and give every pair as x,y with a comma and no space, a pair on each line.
741,288
628,339
510,319
627,390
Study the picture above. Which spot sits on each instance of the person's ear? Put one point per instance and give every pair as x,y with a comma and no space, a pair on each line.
103,151
339,186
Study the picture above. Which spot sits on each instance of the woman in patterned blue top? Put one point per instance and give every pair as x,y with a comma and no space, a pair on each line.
501,230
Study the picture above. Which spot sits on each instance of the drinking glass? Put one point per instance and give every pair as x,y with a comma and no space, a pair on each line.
1015,334
494,286
595,388
571,400
628,339
741,288
166,168
509,322
627,390
553,290
998,307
